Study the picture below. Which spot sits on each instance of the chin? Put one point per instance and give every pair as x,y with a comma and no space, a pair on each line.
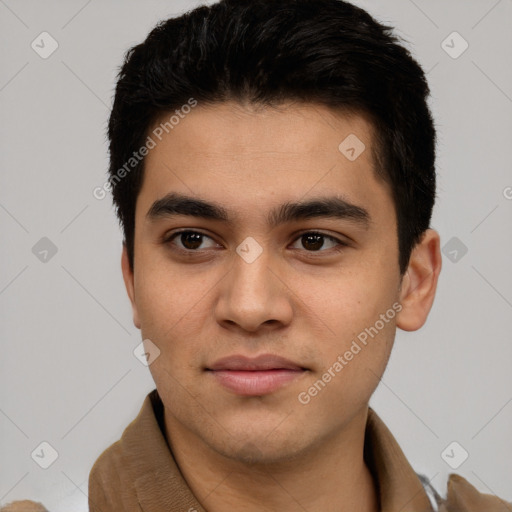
256,454
262,447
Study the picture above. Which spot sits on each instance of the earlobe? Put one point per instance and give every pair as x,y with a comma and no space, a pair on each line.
128,278
419,283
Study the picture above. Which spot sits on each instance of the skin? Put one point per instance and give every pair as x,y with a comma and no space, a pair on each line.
295,300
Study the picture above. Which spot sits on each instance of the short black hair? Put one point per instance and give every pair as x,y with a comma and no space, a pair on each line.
267,52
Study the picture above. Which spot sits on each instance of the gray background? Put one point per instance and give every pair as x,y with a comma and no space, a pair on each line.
67,372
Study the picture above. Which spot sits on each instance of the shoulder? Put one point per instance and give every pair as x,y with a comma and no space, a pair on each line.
107,465
110,484
463,497
23,506
114,474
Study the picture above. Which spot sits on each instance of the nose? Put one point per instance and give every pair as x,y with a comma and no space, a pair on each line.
254,296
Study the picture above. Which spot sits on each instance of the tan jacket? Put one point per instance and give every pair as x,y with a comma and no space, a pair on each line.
138,473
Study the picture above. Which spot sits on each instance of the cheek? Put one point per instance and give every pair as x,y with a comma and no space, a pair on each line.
163,292
353,362
173,308
358,325
170,319
351,303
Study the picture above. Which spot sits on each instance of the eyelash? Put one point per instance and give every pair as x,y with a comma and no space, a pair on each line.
340,247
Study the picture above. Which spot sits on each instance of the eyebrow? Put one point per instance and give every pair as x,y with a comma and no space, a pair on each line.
174,204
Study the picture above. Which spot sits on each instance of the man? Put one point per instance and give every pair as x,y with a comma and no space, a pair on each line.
273,168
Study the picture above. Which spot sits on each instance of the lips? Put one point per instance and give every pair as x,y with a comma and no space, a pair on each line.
257,376
260,363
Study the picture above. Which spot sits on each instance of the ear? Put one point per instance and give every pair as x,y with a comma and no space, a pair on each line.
129,283
419,282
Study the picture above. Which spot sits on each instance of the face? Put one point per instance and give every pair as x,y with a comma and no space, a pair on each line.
274,301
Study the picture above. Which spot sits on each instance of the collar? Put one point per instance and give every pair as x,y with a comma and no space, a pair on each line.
399,487
161,487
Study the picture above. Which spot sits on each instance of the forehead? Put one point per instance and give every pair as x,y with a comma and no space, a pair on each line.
232,129
245,156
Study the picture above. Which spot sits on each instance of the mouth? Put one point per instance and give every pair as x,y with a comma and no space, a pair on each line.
258,376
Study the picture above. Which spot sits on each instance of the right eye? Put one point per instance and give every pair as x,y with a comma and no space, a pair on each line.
189,241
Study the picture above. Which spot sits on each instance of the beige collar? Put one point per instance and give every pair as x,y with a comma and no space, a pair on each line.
399,487
160,484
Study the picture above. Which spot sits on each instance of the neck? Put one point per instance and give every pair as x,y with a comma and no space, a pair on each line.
331,476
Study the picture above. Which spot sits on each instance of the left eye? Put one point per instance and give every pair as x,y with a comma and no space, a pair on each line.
312,241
